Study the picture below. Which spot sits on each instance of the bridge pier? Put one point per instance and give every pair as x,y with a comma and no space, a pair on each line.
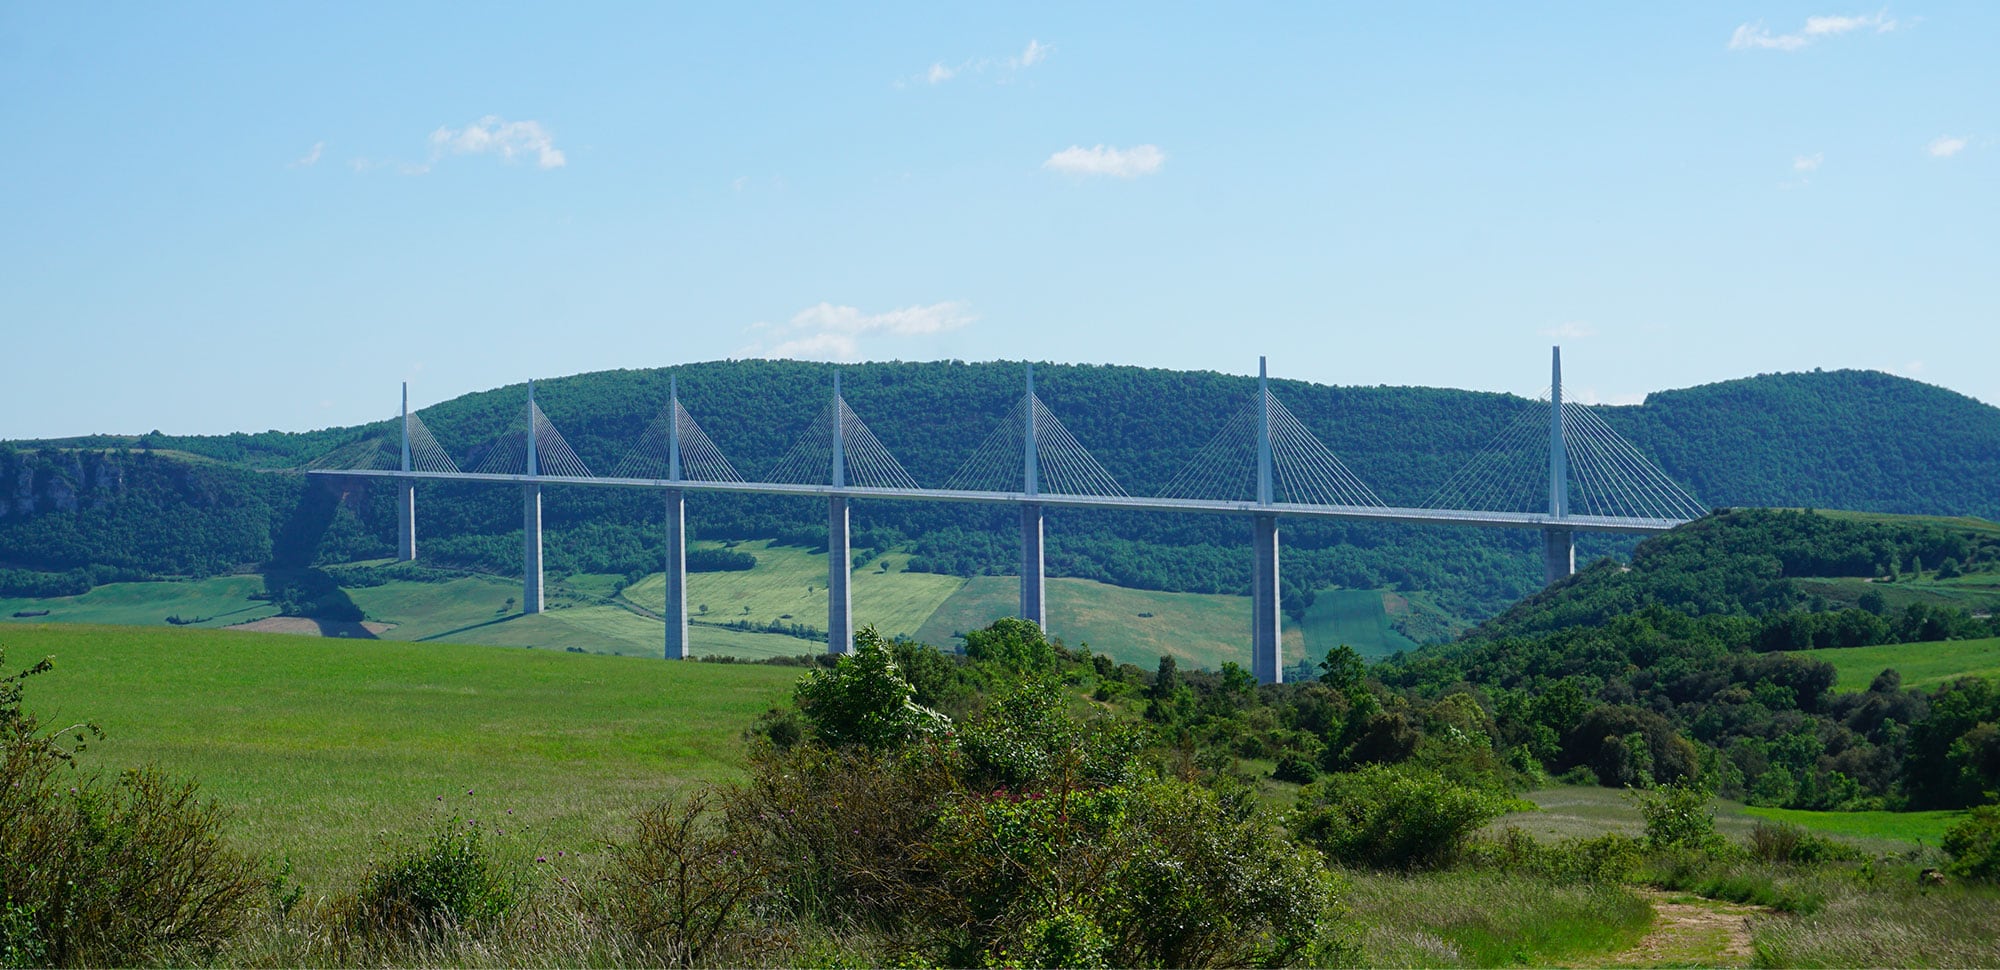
406,521
839,568
1034,587
1558,553
677,575
1266,649
531,549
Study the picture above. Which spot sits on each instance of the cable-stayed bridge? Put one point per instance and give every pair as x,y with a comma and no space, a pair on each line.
1559,468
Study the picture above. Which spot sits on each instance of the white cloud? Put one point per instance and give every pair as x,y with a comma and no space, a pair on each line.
1826,26
1124,163
1570,330
310,158
495,135
829,332
1946,146
1808,163
940,72
1755,37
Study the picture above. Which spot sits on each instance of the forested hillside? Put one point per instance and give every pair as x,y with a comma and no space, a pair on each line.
1842,439
1616,670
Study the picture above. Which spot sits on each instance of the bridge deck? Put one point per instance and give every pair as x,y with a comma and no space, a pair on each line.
1364,513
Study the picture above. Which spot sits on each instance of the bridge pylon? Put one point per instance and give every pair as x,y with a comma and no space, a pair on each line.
1266,636
406,494
1558,542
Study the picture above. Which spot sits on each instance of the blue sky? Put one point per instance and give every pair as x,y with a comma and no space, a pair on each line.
244,216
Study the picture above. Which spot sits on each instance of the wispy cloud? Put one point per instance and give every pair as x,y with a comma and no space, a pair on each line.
310,158
1808,163
1750,37
1123,163
829,332
1570,330
1006,67
1946,146
494,135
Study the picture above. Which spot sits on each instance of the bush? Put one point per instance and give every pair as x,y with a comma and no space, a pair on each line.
449,882
1392,817
1607,858
679,884
134,872
1790,844
1974,845
865,700
1678,815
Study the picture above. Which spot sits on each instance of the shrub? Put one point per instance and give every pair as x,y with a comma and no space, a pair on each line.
1678,815
448,882
1785,843
865,700
1392,817
133,872
1607,858
1974,845
681,881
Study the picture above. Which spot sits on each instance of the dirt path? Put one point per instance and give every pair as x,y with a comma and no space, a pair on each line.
1689,931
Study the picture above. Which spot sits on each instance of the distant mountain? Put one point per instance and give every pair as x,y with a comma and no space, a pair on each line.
1843,439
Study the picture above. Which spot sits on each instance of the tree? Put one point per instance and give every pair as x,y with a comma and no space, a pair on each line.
865,700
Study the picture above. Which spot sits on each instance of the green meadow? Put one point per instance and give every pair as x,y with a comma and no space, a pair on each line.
594,614
1921,664
319,747
1586,811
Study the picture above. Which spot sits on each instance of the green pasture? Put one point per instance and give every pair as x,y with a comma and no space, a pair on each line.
320,746
223,600
788,586
1132,626
1921,664
1976,592
1354,617
1586,811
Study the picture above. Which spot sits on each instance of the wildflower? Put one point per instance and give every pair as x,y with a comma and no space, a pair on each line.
541,858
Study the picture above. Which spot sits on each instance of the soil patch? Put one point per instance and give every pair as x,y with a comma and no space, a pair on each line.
1689,931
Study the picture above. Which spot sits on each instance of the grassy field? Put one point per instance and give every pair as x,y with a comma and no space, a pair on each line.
222,600
789,586
1132,626
1354,617
321,745
590,613
1921,664
1587,811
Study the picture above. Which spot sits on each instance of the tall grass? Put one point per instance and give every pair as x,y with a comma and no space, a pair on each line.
1484,919
1901,925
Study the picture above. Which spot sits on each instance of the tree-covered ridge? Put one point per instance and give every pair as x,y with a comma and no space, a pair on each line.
1675,666
1877,443
1744,563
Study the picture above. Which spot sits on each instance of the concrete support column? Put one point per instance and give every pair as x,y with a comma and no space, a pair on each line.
1266,652
677,575
531,548
1034,589
839,566
1559,553
406,521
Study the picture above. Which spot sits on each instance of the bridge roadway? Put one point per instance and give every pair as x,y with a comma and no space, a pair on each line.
1558,526
1364,513
1558,533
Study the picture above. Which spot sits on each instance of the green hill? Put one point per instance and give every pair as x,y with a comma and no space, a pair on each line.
83,512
